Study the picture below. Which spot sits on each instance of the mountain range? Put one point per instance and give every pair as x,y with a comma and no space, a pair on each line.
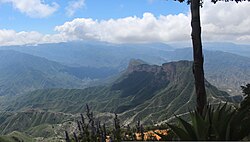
150,93
21,73
44,88
239,49
226,70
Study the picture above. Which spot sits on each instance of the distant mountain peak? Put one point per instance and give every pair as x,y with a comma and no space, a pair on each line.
151,76
134,63
166,68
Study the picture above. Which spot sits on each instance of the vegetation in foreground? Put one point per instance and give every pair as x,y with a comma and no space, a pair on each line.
223,122
90,129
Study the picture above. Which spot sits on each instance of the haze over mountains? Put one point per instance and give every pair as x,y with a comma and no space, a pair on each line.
21,73
239,49
45,87
96,60
131,63
150,93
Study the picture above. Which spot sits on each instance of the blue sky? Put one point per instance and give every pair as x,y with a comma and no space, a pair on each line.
118,21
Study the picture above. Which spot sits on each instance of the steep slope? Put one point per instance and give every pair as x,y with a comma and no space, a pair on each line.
164,90
21,73
239,49
225,70
23,120
16,137
145,92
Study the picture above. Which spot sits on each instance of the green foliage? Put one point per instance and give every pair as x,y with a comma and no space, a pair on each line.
21,73
140,85
221,123
16,137
90,129
36,123
153,103
44,130
246,102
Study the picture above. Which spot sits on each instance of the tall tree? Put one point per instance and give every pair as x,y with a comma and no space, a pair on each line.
198,58
198,70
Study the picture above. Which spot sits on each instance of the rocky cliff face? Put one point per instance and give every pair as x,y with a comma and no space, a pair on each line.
168,71
145,92
155,90
142,81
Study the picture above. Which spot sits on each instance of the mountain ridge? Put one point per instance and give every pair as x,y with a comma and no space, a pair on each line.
21,73
136,92
117,56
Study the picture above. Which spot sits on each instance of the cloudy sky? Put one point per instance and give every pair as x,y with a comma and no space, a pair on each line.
118,21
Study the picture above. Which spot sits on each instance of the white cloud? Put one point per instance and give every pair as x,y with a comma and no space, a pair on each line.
226,21
33,8
130,29
74,6
220,22
11,37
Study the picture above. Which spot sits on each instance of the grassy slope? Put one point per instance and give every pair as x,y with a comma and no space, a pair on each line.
20,73
21,121
224,70
150,101
16,136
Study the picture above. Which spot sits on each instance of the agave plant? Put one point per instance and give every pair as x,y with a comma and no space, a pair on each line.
221,123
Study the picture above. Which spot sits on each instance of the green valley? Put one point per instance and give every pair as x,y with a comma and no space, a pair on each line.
149,93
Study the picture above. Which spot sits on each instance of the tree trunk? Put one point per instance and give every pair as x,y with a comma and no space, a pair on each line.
198,56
